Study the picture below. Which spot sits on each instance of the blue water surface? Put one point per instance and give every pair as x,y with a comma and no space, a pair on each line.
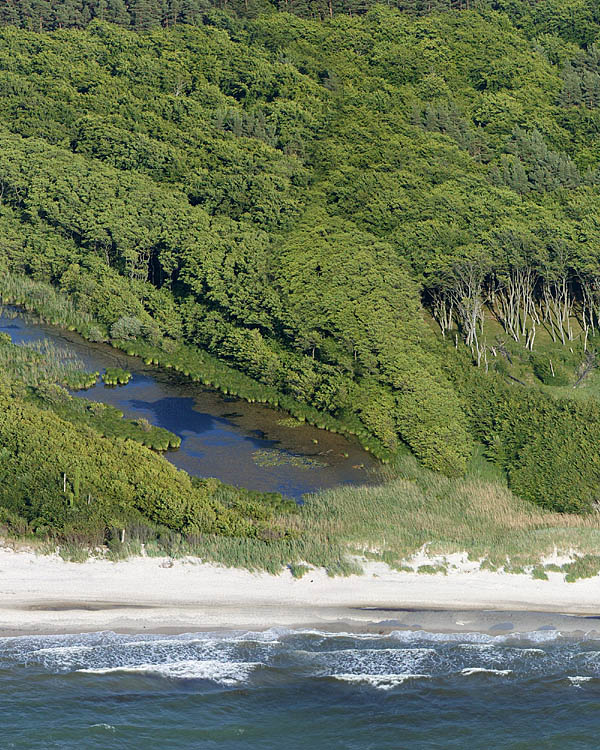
300,690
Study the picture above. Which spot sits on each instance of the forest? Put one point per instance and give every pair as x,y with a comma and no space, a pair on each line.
575,18
380,218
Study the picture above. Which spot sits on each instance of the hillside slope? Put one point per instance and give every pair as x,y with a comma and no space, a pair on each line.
303,199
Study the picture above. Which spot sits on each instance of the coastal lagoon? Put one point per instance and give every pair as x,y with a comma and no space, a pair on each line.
243,444
305,690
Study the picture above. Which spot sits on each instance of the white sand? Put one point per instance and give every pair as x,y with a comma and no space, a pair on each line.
45,594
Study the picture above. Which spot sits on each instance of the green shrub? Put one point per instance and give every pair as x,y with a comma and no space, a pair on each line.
546,446
126,328
548,372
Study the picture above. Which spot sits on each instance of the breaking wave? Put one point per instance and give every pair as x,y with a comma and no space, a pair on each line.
222,672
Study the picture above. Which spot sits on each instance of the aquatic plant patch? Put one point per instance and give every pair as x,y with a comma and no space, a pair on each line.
274,457
116,376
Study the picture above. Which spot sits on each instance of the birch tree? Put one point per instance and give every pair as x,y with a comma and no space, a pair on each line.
465,290
517,283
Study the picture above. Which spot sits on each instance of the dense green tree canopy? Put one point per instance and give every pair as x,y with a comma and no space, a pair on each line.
315,201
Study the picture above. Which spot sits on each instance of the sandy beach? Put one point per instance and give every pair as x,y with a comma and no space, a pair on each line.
44,594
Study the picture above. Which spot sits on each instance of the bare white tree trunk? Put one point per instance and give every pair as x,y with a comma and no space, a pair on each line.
516,303
466,292
443,311
590,305
558,308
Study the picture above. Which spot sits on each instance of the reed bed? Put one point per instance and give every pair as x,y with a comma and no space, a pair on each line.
42,299
116,376
42,361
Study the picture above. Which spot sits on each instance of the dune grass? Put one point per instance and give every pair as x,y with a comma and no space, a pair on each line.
482,518
338,528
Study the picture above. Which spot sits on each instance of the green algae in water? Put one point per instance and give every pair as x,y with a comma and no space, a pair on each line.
268,458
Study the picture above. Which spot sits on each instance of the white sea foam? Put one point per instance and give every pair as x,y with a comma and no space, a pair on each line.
61,650
403,653
60,658
578,680
262,641
498,656
229,658
487,648
372,661
340,634
467,671
535,636
379,681
531,651
108,727
222,672
203,643
194,639
272,635
538,636
409,636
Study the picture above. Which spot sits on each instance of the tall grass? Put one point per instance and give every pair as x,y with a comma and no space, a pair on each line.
40,362
392,521
44,300
338,528
484,519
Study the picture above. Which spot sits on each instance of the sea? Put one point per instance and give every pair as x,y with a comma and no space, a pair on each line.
297,689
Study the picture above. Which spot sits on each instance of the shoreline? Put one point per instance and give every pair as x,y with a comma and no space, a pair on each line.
46,595
228,379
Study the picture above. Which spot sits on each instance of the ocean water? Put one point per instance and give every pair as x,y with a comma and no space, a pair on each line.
300,689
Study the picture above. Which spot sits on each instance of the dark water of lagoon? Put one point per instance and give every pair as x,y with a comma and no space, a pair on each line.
242,444
302,690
